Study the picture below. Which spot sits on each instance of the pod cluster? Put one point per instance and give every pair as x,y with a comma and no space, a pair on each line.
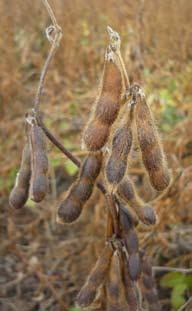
112,284
81,190
120,119
32,180
121,268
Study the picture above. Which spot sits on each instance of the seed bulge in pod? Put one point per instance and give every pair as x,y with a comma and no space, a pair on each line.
96,278
160,179
91,166
117,163
154,160
39,188
151,296
131,242
115,170
82,190
107,109
19,194
146,266
96,135
148,282
126,189
149,215
69,210
134,266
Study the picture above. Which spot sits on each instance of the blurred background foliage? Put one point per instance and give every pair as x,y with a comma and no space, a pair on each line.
157,49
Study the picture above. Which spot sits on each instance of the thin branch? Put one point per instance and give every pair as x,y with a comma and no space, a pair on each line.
187,304
65,151
51,14
172,269
55,141
57,32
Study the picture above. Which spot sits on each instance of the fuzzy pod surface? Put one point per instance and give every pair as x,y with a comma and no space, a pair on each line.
126,190
114,286
96,278
20,193
130,293
107,105
116,165
151,148
148,285
81,190
131,244
39,164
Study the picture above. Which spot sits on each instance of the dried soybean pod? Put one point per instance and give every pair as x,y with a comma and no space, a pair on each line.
151,149
131,244
19,195
80,191
115,287
144,211
130,292
116,165
96,278
39,165
99,303
148,285
107,105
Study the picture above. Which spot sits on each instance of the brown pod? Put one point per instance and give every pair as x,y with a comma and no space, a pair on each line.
129,235
99,304
130,293
69,210
150,145
148,282
144,211
160,179
134,266
96,135
117,162
155,306
115,287
91,166
39,165
19,195
131,241
80,191
131,244
151,296
147,266
148,285
106,107
97,276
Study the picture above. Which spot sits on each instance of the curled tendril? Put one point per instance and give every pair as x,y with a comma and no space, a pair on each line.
50,33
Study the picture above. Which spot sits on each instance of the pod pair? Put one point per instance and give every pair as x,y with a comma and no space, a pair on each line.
32,176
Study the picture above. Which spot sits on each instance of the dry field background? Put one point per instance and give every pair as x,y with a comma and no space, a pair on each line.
43,264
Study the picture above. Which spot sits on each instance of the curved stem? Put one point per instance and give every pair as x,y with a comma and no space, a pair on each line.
55,43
